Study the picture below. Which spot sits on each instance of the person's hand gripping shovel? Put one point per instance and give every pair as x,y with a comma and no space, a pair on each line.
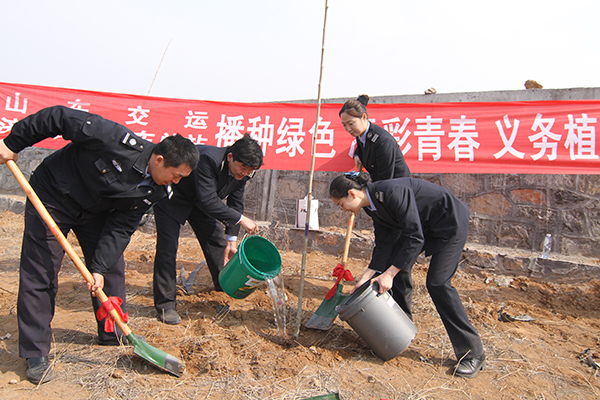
325,315
110,306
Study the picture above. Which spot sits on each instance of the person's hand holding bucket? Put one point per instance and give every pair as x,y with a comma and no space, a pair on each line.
249,225
368,274
230,251
386,279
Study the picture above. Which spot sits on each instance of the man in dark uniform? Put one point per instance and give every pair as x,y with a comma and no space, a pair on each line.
222,172
99,185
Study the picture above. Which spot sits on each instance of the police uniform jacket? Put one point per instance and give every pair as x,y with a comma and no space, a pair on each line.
102,170
380,155
206,187
416,214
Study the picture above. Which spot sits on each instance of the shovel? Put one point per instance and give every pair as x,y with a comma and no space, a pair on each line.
323,318
140,347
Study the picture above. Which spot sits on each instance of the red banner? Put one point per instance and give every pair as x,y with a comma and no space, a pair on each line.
539,137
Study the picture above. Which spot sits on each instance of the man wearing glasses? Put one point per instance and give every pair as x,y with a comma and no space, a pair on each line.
221,173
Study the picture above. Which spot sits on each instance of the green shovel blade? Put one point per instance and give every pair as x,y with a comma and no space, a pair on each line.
323,318
332,396
157,357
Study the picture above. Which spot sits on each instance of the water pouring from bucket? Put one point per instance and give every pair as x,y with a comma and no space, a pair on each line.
257,261
276,291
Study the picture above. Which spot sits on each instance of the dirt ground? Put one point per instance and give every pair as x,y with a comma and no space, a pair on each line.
241,355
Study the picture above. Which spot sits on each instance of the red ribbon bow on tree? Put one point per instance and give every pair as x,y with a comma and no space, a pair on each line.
340,272
113,303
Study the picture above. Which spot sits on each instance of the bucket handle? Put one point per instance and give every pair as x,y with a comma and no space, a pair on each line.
381,294
264,234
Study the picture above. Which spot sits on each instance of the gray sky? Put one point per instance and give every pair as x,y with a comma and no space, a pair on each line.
270,50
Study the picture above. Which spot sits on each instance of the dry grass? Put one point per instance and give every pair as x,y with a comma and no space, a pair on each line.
238,355
116,374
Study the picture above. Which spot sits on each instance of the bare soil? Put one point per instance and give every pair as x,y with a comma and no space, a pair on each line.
240,354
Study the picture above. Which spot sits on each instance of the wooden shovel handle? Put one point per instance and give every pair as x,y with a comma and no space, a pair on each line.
41,209
348,237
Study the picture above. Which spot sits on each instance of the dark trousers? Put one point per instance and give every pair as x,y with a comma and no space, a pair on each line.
210,235
442,267
41,259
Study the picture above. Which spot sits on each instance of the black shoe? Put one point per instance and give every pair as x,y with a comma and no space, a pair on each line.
169,317
39,370
469,367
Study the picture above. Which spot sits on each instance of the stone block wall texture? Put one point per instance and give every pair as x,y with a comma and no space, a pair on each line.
507,210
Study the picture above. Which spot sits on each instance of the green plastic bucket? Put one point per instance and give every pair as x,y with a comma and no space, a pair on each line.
256,260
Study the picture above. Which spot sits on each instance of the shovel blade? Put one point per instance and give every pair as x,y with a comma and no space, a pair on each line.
157,357
323,318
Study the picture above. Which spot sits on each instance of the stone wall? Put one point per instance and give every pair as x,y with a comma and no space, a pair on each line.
507,210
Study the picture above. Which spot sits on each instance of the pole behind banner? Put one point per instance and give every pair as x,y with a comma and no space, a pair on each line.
310,184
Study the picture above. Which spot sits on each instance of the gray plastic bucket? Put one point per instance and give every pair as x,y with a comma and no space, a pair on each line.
378,320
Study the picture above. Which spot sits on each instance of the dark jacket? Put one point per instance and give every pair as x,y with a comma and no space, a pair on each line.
206,187
99,171
381,156
416,214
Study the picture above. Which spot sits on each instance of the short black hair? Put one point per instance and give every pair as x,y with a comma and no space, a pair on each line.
247,151
177,150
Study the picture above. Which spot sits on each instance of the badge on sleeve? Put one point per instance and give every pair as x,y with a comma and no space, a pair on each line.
379,196
117,165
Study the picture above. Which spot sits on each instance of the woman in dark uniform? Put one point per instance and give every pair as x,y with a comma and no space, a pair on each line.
378,152
376,149
410,216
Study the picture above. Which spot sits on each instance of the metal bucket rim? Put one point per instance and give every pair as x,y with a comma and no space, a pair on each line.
357,300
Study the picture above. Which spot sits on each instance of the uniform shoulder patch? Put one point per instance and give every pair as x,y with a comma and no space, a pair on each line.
133,141
379,196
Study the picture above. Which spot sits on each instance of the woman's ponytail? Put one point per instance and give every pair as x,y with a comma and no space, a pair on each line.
340,186
357,107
